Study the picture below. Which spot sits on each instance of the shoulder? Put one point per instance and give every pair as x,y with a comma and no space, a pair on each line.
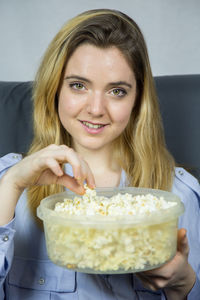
188,189
8,161
185,185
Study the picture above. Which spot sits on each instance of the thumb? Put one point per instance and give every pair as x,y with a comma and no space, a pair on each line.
182,242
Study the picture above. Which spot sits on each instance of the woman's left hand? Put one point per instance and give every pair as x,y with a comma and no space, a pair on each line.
176,277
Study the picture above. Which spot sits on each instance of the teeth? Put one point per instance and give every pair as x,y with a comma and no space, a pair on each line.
92,125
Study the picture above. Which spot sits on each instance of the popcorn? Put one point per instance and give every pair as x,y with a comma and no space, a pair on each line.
111,247
121,204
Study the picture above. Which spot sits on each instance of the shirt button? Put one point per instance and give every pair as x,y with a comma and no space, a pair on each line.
15,156
180,172
41,281
5,238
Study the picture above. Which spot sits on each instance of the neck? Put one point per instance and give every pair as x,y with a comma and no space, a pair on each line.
102,162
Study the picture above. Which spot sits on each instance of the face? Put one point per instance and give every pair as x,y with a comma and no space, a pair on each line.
96,97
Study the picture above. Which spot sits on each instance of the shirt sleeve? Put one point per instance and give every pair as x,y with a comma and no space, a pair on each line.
195,291
7,231
6,248
8,161
187,188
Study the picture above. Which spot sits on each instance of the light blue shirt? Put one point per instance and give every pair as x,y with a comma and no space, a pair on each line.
27,273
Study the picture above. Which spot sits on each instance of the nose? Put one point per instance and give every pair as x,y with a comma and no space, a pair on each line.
96,104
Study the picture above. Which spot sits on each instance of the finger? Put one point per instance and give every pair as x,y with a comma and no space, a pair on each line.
164,272
182,242
147,282
71,183
49,163
65,154
55,167
74,160
87,175
91,181
62,154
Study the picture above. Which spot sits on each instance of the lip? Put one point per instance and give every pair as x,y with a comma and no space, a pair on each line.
93,123
93,130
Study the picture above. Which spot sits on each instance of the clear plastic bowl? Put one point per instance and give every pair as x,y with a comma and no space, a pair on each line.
111,244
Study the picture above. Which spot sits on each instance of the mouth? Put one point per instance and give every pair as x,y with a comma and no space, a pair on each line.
93,127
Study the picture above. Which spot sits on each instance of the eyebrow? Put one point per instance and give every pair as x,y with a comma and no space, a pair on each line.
115,83
121,83
77,77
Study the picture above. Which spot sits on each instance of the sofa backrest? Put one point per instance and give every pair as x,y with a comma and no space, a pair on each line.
16,126
179,98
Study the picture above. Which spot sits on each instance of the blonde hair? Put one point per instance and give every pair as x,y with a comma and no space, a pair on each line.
140,150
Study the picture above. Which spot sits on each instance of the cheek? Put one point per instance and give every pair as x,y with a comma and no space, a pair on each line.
66,107
122,114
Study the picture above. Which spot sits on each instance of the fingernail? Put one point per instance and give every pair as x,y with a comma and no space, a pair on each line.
92,186
61,173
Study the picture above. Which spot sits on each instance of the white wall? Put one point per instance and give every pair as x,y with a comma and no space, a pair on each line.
171,29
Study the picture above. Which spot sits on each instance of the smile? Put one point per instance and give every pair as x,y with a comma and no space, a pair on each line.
93,129
95,126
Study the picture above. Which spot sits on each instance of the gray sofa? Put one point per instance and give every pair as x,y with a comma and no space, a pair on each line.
179,98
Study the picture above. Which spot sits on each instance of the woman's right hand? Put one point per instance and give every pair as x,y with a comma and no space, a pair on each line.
45,167
42,167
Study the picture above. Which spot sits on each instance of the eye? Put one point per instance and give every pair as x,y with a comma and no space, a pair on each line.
77,86
119,92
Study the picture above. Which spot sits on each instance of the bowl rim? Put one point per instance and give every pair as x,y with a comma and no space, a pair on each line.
45,213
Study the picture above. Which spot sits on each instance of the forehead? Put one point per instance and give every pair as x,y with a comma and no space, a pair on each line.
109,63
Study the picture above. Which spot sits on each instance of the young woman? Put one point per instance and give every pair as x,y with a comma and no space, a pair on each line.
96,119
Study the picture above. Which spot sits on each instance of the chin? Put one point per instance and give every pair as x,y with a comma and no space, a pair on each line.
91,144
93,147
